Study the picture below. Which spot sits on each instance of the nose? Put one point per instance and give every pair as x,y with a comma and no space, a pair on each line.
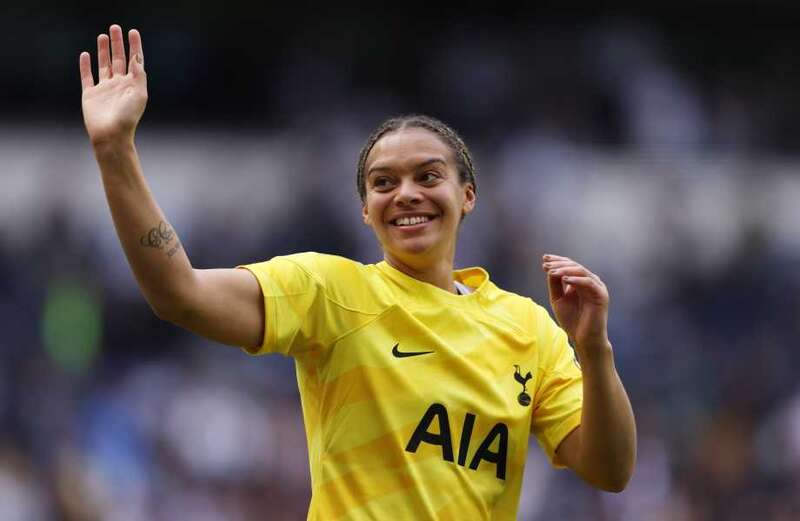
407,193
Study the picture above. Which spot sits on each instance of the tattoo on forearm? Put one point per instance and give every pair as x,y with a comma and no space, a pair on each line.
160,237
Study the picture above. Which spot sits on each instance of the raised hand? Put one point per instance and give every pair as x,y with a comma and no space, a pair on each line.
113,107
580,302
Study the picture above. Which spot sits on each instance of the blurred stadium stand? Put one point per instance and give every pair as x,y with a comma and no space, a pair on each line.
660,150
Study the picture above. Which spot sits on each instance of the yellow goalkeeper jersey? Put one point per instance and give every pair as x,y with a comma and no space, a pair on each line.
418,403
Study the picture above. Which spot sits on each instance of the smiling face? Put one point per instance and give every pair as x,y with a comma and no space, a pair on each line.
414,199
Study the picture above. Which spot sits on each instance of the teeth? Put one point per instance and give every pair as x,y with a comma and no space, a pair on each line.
409,221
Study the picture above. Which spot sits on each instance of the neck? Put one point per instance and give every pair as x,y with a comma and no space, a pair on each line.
439,273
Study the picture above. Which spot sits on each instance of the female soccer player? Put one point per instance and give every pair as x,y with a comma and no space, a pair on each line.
420,384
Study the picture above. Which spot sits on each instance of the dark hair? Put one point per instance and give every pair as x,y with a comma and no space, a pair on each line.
466,168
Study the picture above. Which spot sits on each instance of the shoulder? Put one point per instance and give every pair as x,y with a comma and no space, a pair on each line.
344,281
317,265
551,342
327,269
528,314
522,308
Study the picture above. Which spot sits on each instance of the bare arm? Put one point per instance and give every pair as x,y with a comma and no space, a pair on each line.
224,305
602,450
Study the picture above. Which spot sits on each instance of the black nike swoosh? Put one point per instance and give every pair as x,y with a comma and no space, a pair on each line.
402,354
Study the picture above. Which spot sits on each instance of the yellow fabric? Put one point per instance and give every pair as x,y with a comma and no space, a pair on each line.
362,405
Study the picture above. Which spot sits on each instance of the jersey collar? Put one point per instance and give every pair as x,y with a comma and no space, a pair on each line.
475,277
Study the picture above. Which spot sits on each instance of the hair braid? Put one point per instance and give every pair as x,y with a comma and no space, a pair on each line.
466,167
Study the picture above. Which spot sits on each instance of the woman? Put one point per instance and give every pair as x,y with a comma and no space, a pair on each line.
420,384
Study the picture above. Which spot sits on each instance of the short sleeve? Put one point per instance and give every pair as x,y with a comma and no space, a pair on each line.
294,305
559,394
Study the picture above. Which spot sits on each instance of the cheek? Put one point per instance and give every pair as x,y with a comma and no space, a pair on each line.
452,202
372,212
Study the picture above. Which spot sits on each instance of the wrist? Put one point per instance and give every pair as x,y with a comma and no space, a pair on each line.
110,147
595,353
112,152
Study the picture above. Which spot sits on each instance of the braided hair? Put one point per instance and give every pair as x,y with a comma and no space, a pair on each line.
466,168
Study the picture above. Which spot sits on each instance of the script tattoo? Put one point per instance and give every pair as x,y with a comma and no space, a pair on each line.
160,237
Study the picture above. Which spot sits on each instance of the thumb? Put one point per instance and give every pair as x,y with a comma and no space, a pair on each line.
136,64
555,287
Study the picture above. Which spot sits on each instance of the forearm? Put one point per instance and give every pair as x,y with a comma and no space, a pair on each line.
152,247
607,452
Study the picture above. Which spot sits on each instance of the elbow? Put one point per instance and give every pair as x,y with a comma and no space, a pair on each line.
615,485
165,313
173,306
172,302
169,312
617,480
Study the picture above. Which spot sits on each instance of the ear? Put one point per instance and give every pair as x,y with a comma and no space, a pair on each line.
365,214
469,199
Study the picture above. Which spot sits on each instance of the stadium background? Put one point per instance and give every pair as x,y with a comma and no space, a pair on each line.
659,148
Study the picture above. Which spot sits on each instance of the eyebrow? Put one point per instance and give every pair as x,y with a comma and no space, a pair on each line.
419,165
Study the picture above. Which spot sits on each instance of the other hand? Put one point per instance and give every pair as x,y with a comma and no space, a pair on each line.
580,302
113,107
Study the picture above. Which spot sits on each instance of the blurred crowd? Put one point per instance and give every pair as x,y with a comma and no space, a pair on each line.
678,187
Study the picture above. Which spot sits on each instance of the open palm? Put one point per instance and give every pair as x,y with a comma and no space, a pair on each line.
113,107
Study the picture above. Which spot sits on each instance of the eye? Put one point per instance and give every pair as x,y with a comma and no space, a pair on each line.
382,183
429,177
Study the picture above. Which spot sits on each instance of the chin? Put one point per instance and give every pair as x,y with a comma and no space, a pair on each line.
410,251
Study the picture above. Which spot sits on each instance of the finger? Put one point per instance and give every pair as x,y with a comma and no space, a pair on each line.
574,271
118,61
586,286
552,257
580,281
85,64
555,287
558,264
137,56
103,58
